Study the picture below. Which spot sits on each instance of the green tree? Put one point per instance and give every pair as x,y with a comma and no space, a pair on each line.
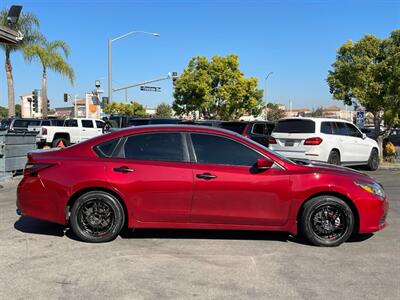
27,25
126,109
368,72
318,112
217,89
274,112
52,56
164,110
4,111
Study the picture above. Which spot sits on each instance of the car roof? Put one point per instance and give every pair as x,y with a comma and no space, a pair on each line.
316,119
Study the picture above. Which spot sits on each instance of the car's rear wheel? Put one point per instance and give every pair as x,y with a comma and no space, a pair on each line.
97,217
334,158
373,161
326,221
60,143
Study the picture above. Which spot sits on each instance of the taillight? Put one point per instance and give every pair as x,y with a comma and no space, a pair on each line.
44,131
271,140
314,141
31,169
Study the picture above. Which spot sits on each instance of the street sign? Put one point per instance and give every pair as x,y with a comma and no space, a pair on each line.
360,119
145,88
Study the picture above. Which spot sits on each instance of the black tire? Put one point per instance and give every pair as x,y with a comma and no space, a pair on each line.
326,221
58,141
334,158
373,161
97,217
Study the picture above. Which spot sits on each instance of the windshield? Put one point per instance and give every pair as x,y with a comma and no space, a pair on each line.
295,126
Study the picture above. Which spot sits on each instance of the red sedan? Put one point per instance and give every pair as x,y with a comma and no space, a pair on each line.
177,176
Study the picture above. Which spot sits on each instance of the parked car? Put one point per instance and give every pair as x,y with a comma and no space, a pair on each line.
116,121
18,124
334,141
258,131
47,122
74,131
195,177
394,137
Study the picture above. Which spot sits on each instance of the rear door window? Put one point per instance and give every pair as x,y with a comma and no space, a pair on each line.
154,146
87,123
295,126
326,127
106,149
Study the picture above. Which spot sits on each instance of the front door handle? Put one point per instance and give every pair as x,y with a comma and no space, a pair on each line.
206,176
123,169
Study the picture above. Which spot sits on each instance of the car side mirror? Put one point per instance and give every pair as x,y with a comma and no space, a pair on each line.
264,164
364,136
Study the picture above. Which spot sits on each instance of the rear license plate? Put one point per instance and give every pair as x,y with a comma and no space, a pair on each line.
289,143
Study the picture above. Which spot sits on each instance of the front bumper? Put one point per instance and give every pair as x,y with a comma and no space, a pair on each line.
373,214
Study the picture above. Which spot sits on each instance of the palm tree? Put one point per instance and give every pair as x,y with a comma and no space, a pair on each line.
49,55
27,25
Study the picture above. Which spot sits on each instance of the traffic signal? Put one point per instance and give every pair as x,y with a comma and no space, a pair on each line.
174,76
104,102
65,97
48,104
35,103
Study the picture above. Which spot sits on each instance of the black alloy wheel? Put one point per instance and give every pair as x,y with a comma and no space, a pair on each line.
97,217
327,221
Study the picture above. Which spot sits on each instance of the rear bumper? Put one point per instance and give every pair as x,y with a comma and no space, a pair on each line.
312,154
36,201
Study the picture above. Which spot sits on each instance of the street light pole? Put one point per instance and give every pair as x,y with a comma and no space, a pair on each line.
110,41
265,91
265,94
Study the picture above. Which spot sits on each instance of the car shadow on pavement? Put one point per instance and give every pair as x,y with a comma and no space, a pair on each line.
35,226
206,234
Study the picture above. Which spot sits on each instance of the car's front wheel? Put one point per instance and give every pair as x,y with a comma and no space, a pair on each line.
326,221
97,217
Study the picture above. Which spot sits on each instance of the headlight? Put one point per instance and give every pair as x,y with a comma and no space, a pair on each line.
373,188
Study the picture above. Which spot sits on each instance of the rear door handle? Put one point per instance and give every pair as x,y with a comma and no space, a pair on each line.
123,169
206,176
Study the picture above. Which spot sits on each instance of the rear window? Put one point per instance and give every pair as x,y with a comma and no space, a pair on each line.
234,126
295,126
21,123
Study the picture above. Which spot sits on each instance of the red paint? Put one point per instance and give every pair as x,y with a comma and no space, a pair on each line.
169,194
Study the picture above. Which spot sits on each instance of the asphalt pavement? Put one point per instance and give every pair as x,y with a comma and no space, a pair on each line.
37,261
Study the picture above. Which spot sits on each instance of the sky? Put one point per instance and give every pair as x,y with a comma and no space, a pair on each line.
296,40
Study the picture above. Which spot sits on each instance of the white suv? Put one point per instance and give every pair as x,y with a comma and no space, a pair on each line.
326,140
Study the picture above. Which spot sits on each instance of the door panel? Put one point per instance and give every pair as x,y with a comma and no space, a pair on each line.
156,191
236,196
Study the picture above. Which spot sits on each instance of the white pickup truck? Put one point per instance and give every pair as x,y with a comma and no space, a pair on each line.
74,131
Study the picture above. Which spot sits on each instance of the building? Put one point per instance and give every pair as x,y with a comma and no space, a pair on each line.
27,107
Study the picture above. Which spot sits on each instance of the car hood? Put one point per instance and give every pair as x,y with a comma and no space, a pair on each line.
336,170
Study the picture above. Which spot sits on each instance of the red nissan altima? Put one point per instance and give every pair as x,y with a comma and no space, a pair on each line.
177,176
